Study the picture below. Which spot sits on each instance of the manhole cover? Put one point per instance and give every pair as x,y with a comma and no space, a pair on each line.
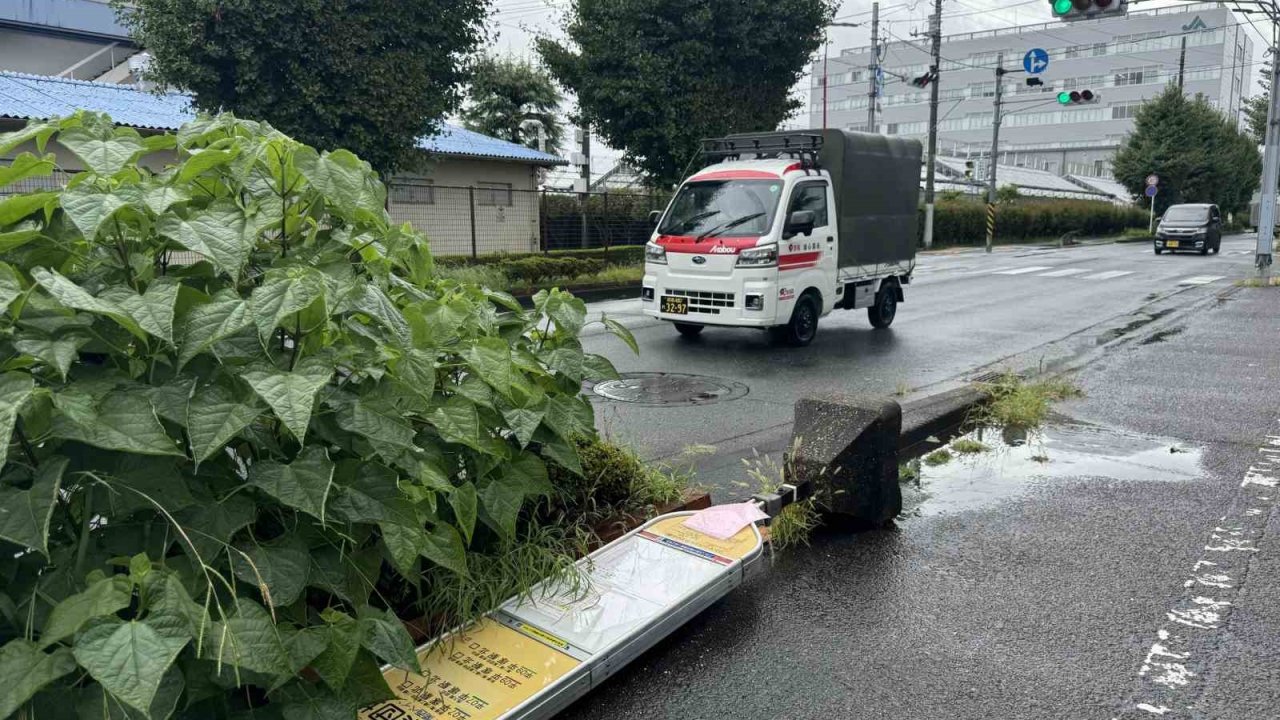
656,388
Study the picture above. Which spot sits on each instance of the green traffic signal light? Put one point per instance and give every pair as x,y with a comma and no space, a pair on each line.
1061,7
1064,98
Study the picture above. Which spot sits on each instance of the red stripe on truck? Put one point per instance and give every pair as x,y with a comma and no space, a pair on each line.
710,246
736,175
794,259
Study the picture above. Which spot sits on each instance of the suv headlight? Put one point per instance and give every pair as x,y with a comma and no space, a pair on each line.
655,254
758,257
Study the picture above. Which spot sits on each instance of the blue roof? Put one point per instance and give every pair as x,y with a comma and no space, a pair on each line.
37,96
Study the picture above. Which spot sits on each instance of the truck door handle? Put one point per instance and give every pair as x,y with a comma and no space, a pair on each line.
831,239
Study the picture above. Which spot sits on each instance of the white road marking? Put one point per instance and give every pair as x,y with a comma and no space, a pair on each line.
1064,273
1108,275
1021,271
1201,279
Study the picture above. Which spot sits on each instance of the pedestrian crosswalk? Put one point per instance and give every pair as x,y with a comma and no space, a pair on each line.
1091,274
1200,280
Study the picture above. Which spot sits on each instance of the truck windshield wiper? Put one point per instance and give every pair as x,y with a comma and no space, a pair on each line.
731,224
695,218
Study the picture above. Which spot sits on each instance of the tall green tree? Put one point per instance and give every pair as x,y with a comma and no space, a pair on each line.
1255,108
372,76
1199,154
654,77
511,99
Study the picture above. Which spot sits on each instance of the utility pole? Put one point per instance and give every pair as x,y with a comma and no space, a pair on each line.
824,83
1182,61
1270,177
874,68
935,52
995,146
586,182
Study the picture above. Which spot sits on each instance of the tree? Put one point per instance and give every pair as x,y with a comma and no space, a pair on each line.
511,99
655,77
1255,108
373,77
1199,154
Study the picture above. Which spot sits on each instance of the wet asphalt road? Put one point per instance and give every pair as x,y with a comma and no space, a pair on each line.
1009,591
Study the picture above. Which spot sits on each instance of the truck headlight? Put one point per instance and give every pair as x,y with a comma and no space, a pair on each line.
655,254
758,257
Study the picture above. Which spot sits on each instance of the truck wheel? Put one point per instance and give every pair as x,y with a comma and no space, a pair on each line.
688,330
886,308
1159,250
804,323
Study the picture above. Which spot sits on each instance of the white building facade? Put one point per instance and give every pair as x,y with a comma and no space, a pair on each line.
1123,60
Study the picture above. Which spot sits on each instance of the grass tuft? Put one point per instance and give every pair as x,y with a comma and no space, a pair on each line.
969,446
796,522
909,471
1255,282
937,457
1024,404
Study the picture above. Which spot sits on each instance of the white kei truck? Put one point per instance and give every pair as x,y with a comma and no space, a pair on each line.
779,229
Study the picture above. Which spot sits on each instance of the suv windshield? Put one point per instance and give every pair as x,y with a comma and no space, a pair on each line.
1186,213
738,207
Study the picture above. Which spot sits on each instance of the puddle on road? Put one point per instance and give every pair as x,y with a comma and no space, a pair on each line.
1017,461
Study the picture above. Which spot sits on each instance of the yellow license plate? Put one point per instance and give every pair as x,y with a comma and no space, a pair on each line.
675,305
1171,243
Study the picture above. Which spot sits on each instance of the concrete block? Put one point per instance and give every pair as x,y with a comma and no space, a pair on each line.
848,447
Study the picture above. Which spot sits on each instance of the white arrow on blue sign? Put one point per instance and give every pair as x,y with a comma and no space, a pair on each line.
1035,61
1150,191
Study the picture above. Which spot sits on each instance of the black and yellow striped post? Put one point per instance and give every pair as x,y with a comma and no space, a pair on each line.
991,224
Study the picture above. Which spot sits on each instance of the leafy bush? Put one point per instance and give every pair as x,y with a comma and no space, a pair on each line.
622,255
965,223
613,480
218,475
537,270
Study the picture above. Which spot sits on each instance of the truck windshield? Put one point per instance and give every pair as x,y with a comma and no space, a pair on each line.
738,207
1186,213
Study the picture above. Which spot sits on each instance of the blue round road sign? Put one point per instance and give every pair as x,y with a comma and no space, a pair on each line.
1035,61
1150,191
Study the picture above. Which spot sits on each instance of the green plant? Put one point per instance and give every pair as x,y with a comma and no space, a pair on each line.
1018,403
965,223
614,481
909,471
969,446
1006,194
937,457
238,469
512,99
797,521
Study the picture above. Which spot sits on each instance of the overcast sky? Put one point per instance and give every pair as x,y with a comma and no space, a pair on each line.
515,23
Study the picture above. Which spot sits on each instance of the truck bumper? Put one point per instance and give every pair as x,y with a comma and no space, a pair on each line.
729,300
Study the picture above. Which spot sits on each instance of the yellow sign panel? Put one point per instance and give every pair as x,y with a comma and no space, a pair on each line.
478,674
737,547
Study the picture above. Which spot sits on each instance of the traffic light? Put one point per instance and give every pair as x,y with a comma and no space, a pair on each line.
1077,97
1086,9
968,169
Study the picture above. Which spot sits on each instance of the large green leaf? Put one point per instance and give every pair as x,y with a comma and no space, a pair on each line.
167,598
125,420
342,178
162,197
291,395
25,514
101,705
280,297
128,659
249,640
303,484
527,472
38,132
25,669
502,501
458,421
371,301
103,152
57,354
218,232
89,206
334,664
10,285
15,388
297,703
211,525
73,296
622,332
17,207
444,547
224,315
385,636
405,544
214,416
22,234
380,422
570,416
153,310
282,567
202,161
368,492
103,598
491,359
463,502
26,166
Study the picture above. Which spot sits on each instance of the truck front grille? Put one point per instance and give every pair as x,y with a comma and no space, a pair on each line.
708,303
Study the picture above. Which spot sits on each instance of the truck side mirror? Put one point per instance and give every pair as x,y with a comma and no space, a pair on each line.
799,222
654,216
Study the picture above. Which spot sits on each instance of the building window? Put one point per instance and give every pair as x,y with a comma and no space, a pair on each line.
1099,49
1123,111
891,129
413,192
493,193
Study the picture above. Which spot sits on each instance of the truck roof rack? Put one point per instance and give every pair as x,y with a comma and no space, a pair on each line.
802,145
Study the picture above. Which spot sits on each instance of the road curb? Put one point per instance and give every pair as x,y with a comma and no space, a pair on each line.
593,294
938,416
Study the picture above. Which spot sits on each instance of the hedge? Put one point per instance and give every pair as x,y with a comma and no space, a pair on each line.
622,255
965,223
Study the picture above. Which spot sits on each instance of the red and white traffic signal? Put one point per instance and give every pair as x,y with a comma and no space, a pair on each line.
1086,9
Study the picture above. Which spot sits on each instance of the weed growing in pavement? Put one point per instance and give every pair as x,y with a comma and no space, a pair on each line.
909,471
1019,403
797,521
938,457
1255,282
969,446
903,389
